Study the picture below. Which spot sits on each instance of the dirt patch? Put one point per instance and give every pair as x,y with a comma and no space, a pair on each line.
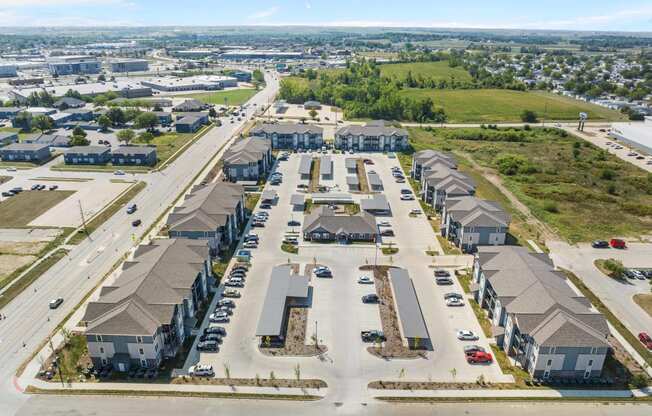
11,262
361,171
22,248
20,210
644,300
313,185
393,347
295,338
255,382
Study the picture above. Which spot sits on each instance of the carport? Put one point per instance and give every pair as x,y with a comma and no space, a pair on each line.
412,325
305,166
376,205
374,182
297,201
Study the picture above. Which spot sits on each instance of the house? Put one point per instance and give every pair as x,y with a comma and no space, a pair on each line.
9,113
439,182
189,124
52,140
248,159
60,119
286,289
305,166
470,222
134,155
290,135
429,157
213,212
323,225
326,168
190,106
25,152
8,138
544,325
80,114
372,137
164,117
413,329
64,103
146,315
87,155
376,205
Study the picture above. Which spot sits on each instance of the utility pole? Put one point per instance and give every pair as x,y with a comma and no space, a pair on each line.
81,213
316,337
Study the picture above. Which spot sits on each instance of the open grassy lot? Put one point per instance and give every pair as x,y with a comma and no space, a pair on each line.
232,97
644,300
580,191
20,210
167,144
431,70
501,106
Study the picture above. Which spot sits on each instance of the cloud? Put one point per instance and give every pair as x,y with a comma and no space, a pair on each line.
308,5
263,14
31,3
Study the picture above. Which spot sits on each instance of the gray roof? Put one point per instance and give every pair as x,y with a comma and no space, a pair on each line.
326,166
282,285
407,305
351,163
286,128
352,180
188,120
378,202
25,147
297,199
70,101
374,179
149,289
206,208
269,195
88,150
323,217
190,105
371,129
540,299
423,156
8,135
305,164
246,151
441,176
134,150
470,211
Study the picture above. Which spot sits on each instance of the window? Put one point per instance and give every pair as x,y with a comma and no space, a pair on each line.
98,338
156,347
142,351
139,340
104,361
590,363
101,350
549,363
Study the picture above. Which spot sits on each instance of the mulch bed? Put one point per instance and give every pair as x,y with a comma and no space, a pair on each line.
295,338
257,382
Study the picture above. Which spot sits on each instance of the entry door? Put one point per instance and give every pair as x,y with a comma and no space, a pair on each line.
546,373
121,367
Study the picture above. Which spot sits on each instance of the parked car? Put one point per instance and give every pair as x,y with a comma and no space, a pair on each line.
600,244
453,295
223,310
219,330
231,293
118,172
384,224
400,180
251,237
365,280
53,187
405,197
7,194
210,337
454,302
479,357
226,302
136,223
250,244
372,336
265,206
388,232
55,303
645,339
201,370
370,298
466,335
218,318
406,192
443,281
132,208
229,283
259,224
617,243
291,240
471,349
208,346
415,211
442,273
294,223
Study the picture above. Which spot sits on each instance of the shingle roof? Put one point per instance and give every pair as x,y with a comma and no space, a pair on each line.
378,202
371,129
134,150
324,217
245,151
472,211
286,128
190,105
88,150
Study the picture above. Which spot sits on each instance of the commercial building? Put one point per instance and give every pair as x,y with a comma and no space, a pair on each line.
164,118
87,155
323,225
125,88
147,313
413,329
544,325
251,54
372,137
470,222
635,135
134,155
290,135
69,102
80,114
74,65
129,65
195,83
285,290
188,124
248,159
8,70
213,212
241,76
25,152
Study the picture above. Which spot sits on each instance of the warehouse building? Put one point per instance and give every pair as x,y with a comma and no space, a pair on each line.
74,65
129,65
635,135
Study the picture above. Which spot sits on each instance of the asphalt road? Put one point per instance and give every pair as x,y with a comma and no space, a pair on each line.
30,320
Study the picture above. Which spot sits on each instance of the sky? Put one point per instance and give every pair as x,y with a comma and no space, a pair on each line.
603,15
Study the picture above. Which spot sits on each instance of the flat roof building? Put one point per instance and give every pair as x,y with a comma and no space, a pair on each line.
305,166
413,327
377,205
129,65
71,65
635,135
326,167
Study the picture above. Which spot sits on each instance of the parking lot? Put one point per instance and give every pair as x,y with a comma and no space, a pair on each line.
337,314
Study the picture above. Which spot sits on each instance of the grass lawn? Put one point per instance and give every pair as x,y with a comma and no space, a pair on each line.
582,192
232,97
501,106
644,300
167,144
20,210
428,70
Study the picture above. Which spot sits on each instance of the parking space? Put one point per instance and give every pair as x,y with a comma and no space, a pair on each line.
337,314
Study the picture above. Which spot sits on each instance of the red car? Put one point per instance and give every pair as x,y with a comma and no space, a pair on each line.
479,357
617,243
645,339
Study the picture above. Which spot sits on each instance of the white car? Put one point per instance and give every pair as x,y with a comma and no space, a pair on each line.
365,280
384,224
201,370
11,169
219,317
415,211
118,172
466,335
454,302
407,197
250,244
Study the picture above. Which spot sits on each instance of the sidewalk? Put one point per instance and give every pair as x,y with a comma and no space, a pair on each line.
516,393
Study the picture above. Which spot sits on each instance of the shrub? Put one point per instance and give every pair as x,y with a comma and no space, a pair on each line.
551,206
608,175
529,116
615,267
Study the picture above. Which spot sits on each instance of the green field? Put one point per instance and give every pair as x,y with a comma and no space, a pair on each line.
435,70
504,106
233,97
582,192
20,210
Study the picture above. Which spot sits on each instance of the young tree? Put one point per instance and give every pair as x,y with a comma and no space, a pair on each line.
78,131
212,113
43,123
23,120
146,121
116,115
312,113
529,116
79,141
145,137
126,135
104,122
